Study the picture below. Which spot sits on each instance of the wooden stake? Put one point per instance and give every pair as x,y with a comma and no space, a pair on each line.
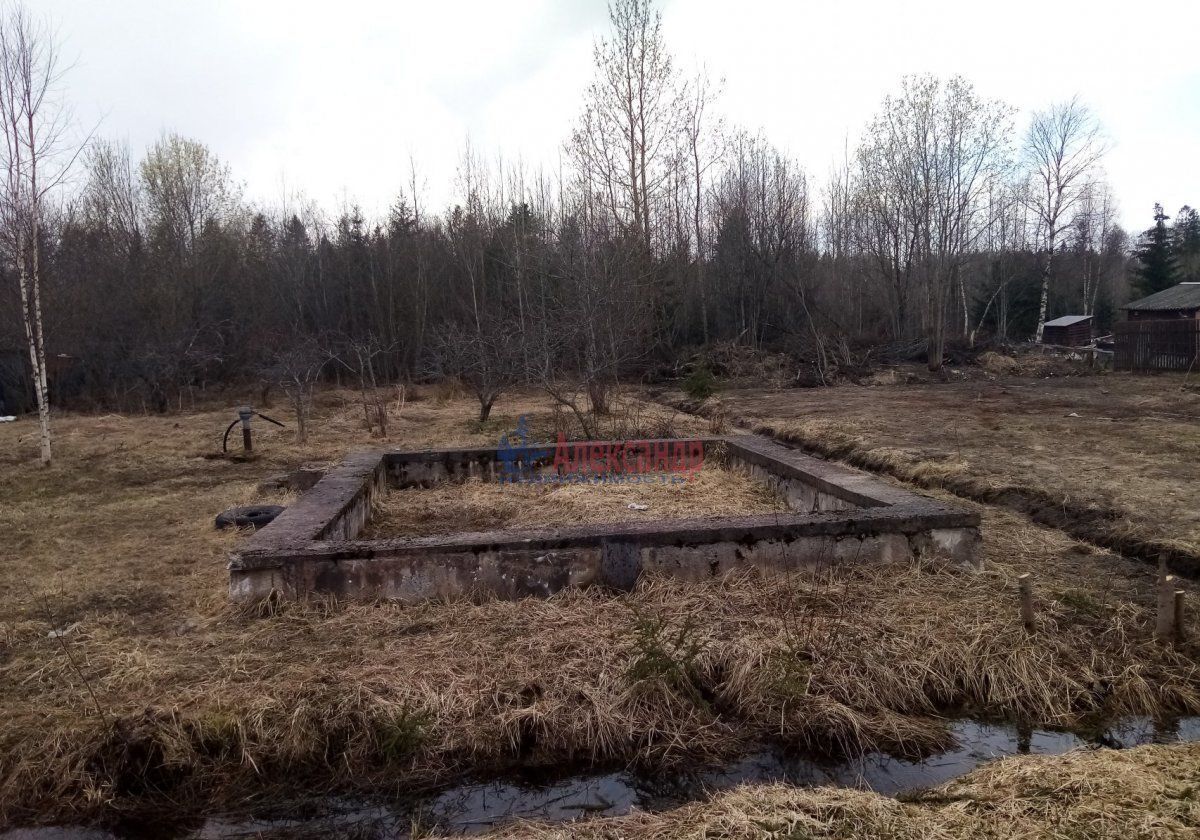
1025,585
1165,627
1180,624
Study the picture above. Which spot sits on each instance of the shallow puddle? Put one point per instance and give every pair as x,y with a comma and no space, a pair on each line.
473,808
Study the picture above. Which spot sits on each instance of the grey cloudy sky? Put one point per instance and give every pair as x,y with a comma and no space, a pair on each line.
332,98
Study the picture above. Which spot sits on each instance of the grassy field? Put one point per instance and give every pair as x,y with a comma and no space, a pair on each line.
1114,458
127,680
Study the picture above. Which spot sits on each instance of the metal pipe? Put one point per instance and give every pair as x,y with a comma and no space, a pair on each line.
244,414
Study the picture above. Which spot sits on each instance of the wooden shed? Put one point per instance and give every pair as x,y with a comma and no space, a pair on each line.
1068,331
1182,301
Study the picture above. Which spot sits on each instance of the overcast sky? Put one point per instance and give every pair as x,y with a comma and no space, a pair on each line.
332,98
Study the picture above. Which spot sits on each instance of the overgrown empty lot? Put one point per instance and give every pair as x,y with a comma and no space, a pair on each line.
127,679
1112,456
478,505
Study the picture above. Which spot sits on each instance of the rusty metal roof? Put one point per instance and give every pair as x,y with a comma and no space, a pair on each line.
1183,296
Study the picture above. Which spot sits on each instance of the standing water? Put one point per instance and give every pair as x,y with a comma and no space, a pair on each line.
474,808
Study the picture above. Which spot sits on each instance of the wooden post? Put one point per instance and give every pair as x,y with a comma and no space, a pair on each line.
1180,624
1164,628
1025,586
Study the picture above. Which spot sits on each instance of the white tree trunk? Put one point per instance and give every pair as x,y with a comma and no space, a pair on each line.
42,388
966,311
1041,325
31,316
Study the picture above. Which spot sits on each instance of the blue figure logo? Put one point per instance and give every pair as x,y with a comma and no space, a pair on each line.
517,459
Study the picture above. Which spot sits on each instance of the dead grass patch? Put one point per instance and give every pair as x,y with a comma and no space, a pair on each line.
200,704
477,505
1109,458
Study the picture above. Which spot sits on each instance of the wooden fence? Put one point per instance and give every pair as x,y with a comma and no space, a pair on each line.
1158,345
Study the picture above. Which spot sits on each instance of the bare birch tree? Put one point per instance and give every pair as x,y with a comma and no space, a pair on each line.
632,118
702,148
926,169
1062,149
36,159
1094,223
112,198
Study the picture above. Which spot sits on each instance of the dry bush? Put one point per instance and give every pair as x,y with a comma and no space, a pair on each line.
737,361
996,363
446,390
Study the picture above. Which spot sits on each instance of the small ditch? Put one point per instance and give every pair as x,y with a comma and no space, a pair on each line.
475,807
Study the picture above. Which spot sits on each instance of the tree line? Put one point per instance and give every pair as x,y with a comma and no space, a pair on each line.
666,232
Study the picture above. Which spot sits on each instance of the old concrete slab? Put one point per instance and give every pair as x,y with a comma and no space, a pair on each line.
839,516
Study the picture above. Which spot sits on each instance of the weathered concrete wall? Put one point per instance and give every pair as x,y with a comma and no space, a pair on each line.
841,517
429,467
800,495
518,573
425,469
336,508
543,561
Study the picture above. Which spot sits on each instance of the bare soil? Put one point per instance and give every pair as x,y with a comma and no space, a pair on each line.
477,505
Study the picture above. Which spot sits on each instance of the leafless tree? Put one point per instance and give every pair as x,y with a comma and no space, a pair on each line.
839,234
929,161
186,188
1095,226
626,135
112,198
37,157
764,236
703,146
296,369
487,361
1004,240
1062,151
360,355
658,230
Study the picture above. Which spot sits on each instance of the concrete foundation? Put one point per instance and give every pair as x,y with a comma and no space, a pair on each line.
839,516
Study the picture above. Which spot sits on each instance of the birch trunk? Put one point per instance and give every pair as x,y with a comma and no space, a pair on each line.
31,316
42,387
35,208
1041,324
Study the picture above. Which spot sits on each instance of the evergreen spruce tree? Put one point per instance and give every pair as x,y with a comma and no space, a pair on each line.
1156,268
1186,241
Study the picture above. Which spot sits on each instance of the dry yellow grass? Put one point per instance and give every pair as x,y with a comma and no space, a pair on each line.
161,692
1113,458
479,505
1149,792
